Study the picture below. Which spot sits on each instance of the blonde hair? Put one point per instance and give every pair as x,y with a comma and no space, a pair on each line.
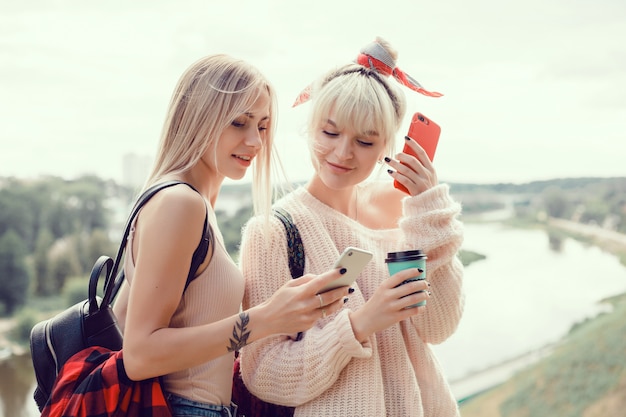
209,95
361,99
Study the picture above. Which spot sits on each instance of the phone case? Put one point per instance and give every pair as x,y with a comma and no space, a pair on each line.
354,260
425,132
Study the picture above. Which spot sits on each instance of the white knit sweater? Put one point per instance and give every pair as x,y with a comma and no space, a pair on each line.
328,372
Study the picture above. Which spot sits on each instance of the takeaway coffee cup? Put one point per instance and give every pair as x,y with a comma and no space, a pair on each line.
399,261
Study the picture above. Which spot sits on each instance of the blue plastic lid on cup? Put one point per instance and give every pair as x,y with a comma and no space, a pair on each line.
409,255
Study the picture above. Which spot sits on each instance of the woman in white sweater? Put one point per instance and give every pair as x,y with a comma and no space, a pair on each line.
373,357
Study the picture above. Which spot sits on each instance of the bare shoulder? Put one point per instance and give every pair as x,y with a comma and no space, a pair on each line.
381,205
177,198
167,233
177,208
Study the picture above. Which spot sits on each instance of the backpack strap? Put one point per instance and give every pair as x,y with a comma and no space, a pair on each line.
207,240
295,248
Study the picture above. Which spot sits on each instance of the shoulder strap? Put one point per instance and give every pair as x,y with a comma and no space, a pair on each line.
295,248
113,286
199,255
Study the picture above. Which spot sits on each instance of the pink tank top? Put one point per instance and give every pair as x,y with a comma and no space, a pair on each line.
213,295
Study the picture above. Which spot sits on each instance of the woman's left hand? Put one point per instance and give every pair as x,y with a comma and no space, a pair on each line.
416,173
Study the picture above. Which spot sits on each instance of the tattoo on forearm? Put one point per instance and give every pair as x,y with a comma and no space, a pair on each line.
240,333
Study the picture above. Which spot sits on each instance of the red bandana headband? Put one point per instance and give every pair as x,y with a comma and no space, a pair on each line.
375,57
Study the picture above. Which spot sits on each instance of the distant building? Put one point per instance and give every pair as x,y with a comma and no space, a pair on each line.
135,169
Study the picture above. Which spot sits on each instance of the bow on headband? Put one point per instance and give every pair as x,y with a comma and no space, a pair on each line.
376,57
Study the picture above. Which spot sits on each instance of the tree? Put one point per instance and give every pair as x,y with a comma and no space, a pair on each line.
90,193
75,206
41,260
555,202
17,214
64,263
14,277
98,243
90,247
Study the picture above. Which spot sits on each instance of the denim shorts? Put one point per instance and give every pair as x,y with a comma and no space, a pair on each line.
182,407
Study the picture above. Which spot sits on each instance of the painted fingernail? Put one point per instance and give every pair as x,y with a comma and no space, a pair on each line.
345,299
420,270
407,138
389,171
350,290
343,271
387,159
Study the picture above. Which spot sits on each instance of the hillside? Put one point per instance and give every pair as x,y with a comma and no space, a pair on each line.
585,376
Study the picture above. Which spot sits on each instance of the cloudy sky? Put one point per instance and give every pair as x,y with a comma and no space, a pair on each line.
532,90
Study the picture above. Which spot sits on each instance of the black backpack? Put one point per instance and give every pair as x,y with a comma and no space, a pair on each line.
91,322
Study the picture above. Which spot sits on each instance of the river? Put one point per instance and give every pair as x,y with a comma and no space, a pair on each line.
527,294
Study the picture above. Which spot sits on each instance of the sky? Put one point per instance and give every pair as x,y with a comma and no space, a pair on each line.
533,90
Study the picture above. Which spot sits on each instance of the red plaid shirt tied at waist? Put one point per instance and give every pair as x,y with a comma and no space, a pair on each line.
93,383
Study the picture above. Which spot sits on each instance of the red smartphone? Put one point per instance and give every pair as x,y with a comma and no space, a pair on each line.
425,132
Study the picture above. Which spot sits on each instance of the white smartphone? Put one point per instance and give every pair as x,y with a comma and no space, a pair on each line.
354,260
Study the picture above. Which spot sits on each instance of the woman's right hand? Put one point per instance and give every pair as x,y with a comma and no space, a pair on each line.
297,305
388,305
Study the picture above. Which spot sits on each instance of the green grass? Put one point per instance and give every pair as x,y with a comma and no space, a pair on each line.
583,371
467,257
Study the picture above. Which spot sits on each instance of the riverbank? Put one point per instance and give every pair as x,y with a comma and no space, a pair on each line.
507,384
479,382
583,376
8,347
605,239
